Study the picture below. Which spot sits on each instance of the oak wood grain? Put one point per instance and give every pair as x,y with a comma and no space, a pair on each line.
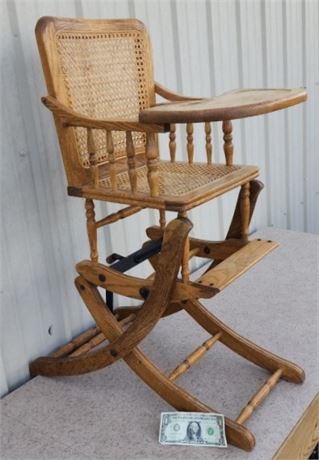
70,117
130,286
172,142
238,263
207,249
303,438
194,357
228,141
242,345
91,229
240,103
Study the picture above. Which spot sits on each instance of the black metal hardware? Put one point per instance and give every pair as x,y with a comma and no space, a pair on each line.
124,264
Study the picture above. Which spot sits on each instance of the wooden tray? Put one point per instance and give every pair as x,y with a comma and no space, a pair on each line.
234,104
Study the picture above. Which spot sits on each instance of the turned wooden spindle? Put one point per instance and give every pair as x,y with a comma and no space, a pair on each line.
88,340
172,142
185,262
209,146
110,151
131,160
92,157
88,346
190,142
193,252
127,320
245,210
152,163
115,216
91,229
194,357
258,397
228,141
186,255
76,342
162,219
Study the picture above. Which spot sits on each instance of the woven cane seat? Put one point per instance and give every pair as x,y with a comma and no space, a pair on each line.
182,185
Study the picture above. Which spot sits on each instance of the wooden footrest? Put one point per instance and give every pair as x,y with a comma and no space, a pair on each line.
238,263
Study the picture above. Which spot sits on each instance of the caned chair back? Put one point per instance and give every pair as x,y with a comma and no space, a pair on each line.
99,68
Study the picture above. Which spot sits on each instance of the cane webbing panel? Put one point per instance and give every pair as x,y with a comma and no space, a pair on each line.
176,179
106,76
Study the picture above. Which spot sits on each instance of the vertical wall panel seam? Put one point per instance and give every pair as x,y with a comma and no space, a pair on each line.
23,95
12,17
78,8
131,8
305,120
176,46
266,124
212,77
285,134
241,79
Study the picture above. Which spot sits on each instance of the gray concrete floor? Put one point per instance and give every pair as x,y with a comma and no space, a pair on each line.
111,414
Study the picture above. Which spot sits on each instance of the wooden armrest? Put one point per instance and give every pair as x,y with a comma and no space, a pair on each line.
171,96
71,118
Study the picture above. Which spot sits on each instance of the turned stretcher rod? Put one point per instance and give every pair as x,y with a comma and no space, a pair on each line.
194,357
193,252
87,340
258,397
121,214
86,347
127,320
99,338
76,342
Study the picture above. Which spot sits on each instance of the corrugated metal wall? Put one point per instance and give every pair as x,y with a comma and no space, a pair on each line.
200,48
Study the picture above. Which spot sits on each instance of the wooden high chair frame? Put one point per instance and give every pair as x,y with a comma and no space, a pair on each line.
102,95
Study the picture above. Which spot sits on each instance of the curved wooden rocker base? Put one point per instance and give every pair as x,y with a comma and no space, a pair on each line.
159,303
237,434
243,346
163,385
156,303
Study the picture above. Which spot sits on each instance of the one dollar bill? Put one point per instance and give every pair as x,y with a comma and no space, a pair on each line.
192,429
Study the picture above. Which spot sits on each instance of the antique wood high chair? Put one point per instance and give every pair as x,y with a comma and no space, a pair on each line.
102,95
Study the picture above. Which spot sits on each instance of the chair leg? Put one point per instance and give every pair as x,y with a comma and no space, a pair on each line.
243,346
235,227
234,231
